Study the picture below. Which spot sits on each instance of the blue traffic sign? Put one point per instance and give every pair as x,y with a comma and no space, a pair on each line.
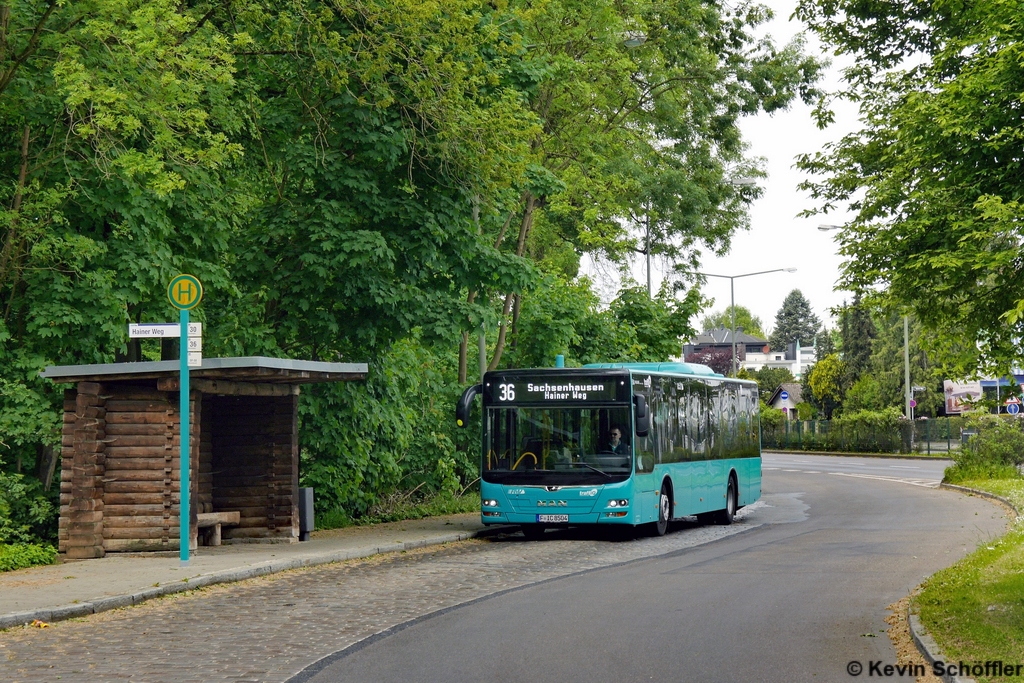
784,395
1013,408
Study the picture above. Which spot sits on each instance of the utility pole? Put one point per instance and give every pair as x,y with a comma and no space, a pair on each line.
650,294
908,393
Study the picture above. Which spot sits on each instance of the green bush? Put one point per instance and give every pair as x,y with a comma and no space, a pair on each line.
22,555
27,515
365,443
864,431
995,452
771,418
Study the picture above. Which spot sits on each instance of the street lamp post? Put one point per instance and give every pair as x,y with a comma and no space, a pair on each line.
732,300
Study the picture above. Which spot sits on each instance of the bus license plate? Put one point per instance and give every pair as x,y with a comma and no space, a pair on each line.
552,518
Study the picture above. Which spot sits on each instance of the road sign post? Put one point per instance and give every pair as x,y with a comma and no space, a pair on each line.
185,293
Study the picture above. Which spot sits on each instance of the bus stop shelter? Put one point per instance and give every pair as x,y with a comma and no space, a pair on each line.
120,468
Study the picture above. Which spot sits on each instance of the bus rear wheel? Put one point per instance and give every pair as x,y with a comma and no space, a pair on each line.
533,532
725,517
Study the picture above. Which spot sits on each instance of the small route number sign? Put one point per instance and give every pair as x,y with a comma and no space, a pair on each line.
185,292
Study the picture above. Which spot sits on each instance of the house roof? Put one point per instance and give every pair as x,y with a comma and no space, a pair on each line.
722,335
792,388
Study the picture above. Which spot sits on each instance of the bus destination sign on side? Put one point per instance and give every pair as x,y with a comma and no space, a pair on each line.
549,389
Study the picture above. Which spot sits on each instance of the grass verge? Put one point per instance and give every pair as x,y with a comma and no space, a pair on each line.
975,609
398,507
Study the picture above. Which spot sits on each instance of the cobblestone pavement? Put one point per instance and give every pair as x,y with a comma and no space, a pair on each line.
270,628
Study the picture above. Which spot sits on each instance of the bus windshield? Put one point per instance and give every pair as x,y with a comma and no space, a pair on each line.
563,446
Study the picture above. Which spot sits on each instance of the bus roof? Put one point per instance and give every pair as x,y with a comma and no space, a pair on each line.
677,368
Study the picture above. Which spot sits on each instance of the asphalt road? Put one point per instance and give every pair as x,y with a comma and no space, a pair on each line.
796,597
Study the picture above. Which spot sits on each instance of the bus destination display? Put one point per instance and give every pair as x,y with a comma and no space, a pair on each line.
549,389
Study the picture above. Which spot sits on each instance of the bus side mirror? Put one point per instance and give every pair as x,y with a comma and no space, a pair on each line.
643,417
465,403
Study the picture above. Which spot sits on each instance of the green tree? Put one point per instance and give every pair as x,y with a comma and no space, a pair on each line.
825,342
825,379
856,331
769,379
795,321
644,131
750,323
934,176
887,366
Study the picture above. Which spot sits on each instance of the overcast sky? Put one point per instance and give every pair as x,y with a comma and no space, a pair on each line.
777,237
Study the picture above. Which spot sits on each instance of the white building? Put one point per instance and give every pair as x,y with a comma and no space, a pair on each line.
796,359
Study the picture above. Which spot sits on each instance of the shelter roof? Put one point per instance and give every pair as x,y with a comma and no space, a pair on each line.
240,369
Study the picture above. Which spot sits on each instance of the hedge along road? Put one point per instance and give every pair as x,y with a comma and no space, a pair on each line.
797,598
792,585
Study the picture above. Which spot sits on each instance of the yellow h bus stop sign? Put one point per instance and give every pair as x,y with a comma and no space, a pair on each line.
185,292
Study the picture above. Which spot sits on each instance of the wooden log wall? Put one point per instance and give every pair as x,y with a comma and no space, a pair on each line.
80,533
67,464
142,493
255,464
85,513
120,472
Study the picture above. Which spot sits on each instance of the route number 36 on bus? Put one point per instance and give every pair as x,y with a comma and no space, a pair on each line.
506,392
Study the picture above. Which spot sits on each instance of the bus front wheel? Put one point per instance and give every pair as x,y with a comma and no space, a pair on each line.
725,516
664,512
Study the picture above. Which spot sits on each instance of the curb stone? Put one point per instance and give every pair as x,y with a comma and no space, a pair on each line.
82,609
929,648
982,494
926,645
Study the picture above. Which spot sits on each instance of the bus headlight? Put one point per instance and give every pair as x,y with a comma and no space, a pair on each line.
490,503
620,503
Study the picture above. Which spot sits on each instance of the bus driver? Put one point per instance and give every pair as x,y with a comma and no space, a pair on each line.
615,444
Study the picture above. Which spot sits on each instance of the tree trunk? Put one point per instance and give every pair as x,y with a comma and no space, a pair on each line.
499,347
463,353
516,306
46,458
524,231
464,343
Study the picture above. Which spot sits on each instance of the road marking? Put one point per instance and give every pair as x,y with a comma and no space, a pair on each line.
792,470
904,467
769,468
912,482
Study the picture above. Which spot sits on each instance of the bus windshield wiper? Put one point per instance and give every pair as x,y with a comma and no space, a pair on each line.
588,466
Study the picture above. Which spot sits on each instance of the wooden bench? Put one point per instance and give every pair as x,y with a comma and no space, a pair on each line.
213,521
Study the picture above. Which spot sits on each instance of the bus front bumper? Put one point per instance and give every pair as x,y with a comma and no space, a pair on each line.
500,517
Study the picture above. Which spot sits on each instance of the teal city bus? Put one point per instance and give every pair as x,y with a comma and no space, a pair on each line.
689,445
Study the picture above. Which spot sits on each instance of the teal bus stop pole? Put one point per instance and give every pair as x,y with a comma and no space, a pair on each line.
184,519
